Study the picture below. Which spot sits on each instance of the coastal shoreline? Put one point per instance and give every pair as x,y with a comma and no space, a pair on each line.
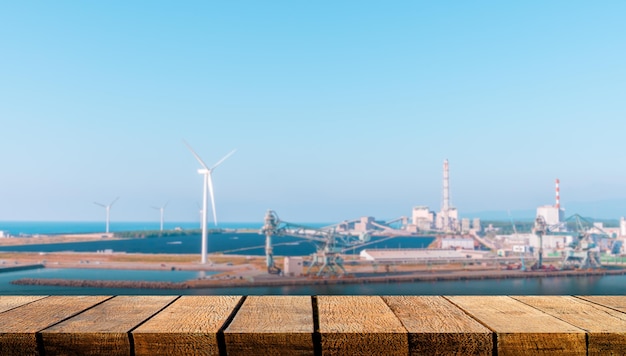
275,281
232,270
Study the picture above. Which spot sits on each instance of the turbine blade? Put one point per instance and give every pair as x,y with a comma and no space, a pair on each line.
196,155
223,159
154,207
212,198
113,202
102,205
166,204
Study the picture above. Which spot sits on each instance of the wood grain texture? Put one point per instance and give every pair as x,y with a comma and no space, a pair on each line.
8,302
360,325
617,302
437,327
18,326
188,326
272,325
102,330
522,329
606,327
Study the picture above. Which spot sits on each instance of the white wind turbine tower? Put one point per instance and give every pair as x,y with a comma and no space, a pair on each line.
200,213
161,209
208,182
108,209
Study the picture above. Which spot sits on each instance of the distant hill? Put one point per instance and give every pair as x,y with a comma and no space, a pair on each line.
503,215
597,210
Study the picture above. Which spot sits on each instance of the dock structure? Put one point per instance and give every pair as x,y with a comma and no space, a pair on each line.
312,325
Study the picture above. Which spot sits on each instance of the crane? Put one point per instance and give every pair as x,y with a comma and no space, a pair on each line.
329,244
585,250
540,229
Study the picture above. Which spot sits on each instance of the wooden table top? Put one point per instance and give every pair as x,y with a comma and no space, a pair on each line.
312,325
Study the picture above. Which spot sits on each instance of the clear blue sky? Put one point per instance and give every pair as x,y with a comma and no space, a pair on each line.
338,109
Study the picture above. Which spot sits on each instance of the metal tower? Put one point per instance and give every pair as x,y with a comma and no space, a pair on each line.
558,195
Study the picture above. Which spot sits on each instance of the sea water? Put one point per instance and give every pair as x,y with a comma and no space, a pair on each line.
573,285
17,228
227,243
253,244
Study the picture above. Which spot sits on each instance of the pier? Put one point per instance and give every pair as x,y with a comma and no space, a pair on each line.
21,267
312,325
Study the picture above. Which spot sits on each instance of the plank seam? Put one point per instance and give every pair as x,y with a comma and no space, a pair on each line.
494,334
552,315
583,298
587,332
317,336
131,340
221,339
73,315
41,347
21,305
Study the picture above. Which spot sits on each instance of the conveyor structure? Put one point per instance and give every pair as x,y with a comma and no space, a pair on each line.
329,244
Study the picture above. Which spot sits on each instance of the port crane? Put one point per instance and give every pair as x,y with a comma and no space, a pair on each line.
540,229
584,252
329,244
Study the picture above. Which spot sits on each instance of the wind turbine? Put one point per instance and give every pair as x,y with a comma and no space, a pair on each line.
108,209
208,182
162,208
200,211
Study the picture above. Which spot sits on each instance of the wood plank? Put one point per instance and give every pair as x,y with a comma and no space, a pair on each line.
606,327
18,326
522,329
617,302
272,325
103,329
8,302
189,326
437,327
360,325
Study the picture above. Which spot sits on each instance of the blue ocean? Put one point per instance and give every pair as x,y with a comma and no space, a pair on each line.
17,228
253,244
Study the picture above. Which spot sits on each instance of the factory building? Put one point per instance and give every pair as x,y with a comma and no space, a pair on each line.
423,218
551,214
465,225
476,225
448,221
622,226
418,255
364,225
466,243
550,242
293,266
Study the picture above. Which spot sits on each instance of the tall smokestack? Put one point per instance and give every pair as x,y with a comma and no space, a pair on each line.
446,195
558,197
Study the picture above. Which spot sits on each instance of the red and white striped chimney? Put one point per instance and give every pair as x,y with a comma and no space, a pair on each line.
558,197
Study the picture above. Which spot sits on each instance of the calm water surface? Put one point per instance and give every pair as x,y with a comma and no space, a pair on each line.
590,285
252,244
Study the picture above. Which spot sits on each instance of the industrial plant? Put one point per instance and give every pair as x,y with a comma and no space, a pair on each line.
422,220
553,243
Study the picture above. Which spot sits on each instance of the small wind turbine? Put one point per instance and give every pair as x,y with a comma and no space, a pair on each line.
162,208
208,182
108,209
200,211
